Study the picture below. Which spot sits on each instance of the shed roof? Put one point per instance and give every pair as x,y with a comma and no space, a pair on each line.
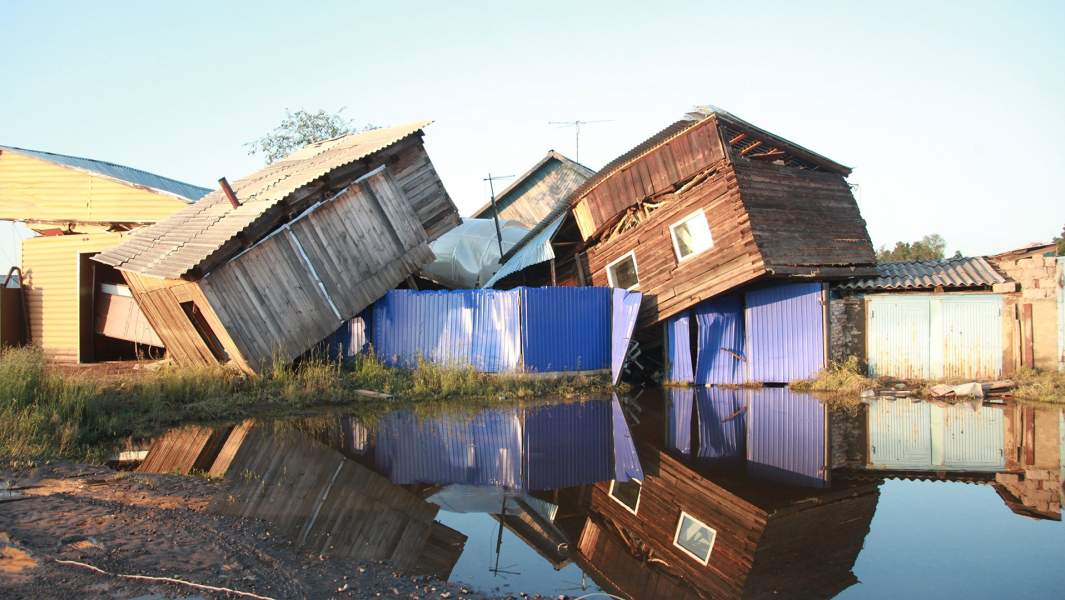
503,198
186,191
174,247
950,273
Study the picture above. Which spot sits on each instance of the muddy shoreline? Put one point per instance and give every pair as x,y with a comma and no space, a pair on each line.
160,526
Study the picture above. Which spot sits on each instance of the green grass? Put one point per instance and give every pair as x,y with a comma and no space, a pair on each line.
46,412
839,378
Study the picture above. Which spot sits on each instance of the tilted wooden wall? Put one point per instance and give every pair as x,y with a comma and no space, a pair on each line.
668,285
267,303
417,177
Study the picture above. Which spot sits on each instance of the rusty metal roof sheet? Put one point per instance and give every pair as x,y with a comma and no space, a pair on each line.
950,273
172,248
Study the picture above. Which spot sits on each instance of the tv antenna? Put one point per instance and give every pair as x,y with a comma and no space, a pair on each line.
576,125
495,209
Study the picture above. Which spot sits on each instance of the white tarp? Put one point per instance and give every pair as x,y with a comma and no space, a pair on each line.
468,255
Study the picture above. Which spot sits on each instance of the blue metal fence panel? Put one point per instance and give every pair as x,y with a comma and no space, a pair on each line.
625,307
565,329
722,424
785,332
480,328
568,444
786,440
626,459
679,403
484,451
678,349
720,351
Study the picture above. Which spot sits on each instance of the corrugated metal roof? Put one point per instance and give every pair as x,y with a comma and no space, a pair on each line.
122,173
953,273
174,247
532,252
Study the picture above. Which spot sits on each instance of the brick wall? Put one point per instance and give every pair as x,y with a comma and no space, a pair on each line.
1036,286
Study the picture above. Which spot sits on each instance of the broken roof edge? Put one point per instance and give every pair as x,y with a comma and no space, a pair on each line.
710,110
114,258
588,172
186,192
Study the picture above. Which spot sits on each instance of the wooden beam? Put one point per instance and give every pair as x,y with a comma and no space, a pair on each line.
736,139
751,147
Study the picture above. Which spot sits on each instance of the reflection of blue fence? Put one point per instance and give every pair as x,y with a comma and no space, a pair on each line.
540,448
526,329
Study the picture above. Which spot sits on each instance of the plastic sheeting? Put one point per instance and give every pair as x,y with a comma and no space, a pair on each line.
566,329
785,332
624,310
721,354
678,349
534,252
479,328
468,255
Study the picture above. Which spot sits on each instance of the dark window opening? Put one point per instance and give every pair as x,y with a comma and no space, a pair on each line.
203,328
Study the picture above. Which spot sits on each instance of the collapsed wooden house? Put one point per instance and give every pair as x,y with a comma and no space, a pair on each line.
538,192
78,310
695,528
706,205
264,271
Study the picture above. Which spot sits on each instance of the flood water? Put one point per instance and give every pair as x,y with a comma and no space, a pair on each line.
675,493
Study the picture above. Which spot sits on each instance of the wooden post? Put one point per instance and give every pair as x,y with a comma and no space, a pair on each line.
1028,339
554,277
581,281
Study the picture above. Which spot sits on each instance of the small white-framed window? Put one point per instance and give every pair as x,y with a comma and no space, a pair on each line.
622,272
691,235
694,538
627,494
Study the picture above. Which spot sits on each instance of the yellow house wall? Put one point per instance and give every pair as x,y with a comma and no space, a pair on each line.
37,190
50,266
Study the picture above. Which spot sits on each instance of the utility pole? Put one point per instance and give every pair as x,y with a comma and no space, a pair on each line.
576,125
495,209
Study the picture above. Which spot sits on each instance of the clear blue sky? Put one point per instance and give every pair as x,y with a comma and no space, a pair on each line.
952,115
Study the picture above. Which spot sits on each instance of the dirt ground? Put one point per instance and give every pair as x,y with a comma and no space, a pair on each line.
157,525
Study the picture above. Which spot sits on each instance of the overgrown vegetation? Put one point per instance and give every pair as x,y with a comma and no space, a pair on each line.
1040,386
839,378
46,412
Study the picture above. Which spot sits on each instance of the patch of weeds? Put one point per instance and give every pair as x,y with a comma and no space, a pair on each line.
843,377
1040,386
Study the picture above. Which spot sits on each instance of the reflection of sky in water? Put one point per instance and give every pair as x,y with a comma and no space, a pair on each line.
528,571
956,540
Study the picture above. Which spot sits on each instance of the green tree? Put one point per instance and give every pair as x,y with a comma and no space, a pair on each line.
1060,241
300,128
930,247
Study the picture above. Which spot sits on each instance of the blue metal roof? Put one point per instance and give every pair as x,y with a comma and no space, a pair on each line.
127,174
536,251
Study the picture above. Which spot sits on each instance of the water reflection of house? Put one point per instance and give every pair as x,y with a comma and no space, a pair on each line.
700,524
1017,448
1035,461
312,495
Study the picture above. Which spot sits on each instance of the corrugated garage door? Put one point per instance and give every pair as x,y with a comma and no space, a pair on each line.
925,336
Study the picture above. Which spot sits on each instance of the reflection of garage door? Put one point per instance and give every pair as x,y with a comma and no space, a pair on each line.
931,336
